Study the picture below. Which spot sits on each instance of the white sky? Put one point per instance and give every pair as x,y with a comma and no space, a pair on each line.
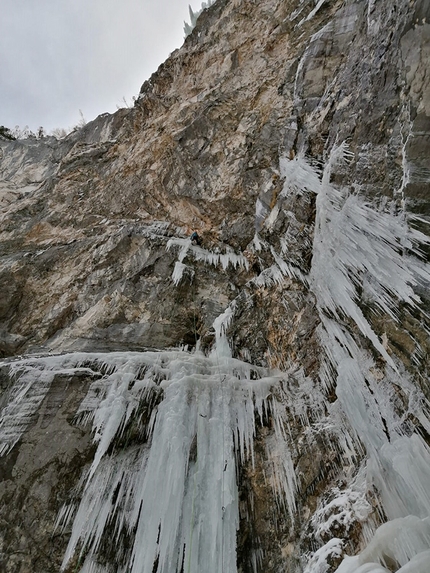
61,56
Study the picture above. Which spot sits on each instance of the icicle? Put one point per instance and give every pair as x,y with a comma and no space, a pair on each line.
287,269
299,176
269,277
220,325
178,272
200,254
312,13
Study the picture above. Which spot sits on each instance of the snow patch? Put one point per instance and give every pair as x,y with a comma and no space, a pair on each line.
319,561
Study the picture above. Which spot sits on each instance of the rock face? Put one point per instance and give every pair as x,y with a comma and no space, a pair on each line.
294,137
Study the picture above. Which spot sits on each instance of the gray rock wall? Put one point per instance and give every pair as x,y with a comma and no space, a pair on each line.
85,225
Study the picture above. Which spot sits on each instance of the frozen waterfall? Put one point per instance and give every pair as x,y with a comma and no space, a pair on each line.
173,428
175,492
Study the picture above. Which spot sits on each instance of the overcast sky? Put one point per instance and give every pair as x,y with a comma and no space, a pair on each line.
61,56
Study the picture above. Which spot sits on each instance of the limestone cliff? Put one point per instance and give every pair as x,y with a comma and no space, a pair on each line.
258,402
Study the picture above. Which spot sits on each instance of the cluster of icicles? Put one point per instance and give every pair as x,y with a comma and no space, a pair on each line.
360,253
174,491
200,254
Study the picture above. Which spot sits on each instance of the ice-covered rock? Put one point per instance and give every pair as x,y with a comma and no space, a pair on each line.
258,402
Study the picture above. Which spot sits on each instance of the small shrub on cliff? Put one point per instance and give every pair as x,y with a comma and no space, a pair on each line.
6,133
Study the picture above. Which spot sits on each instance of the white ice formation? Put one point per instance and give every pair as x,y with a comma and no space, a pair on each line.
187,249
359,248
172,427
176,492
188,28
